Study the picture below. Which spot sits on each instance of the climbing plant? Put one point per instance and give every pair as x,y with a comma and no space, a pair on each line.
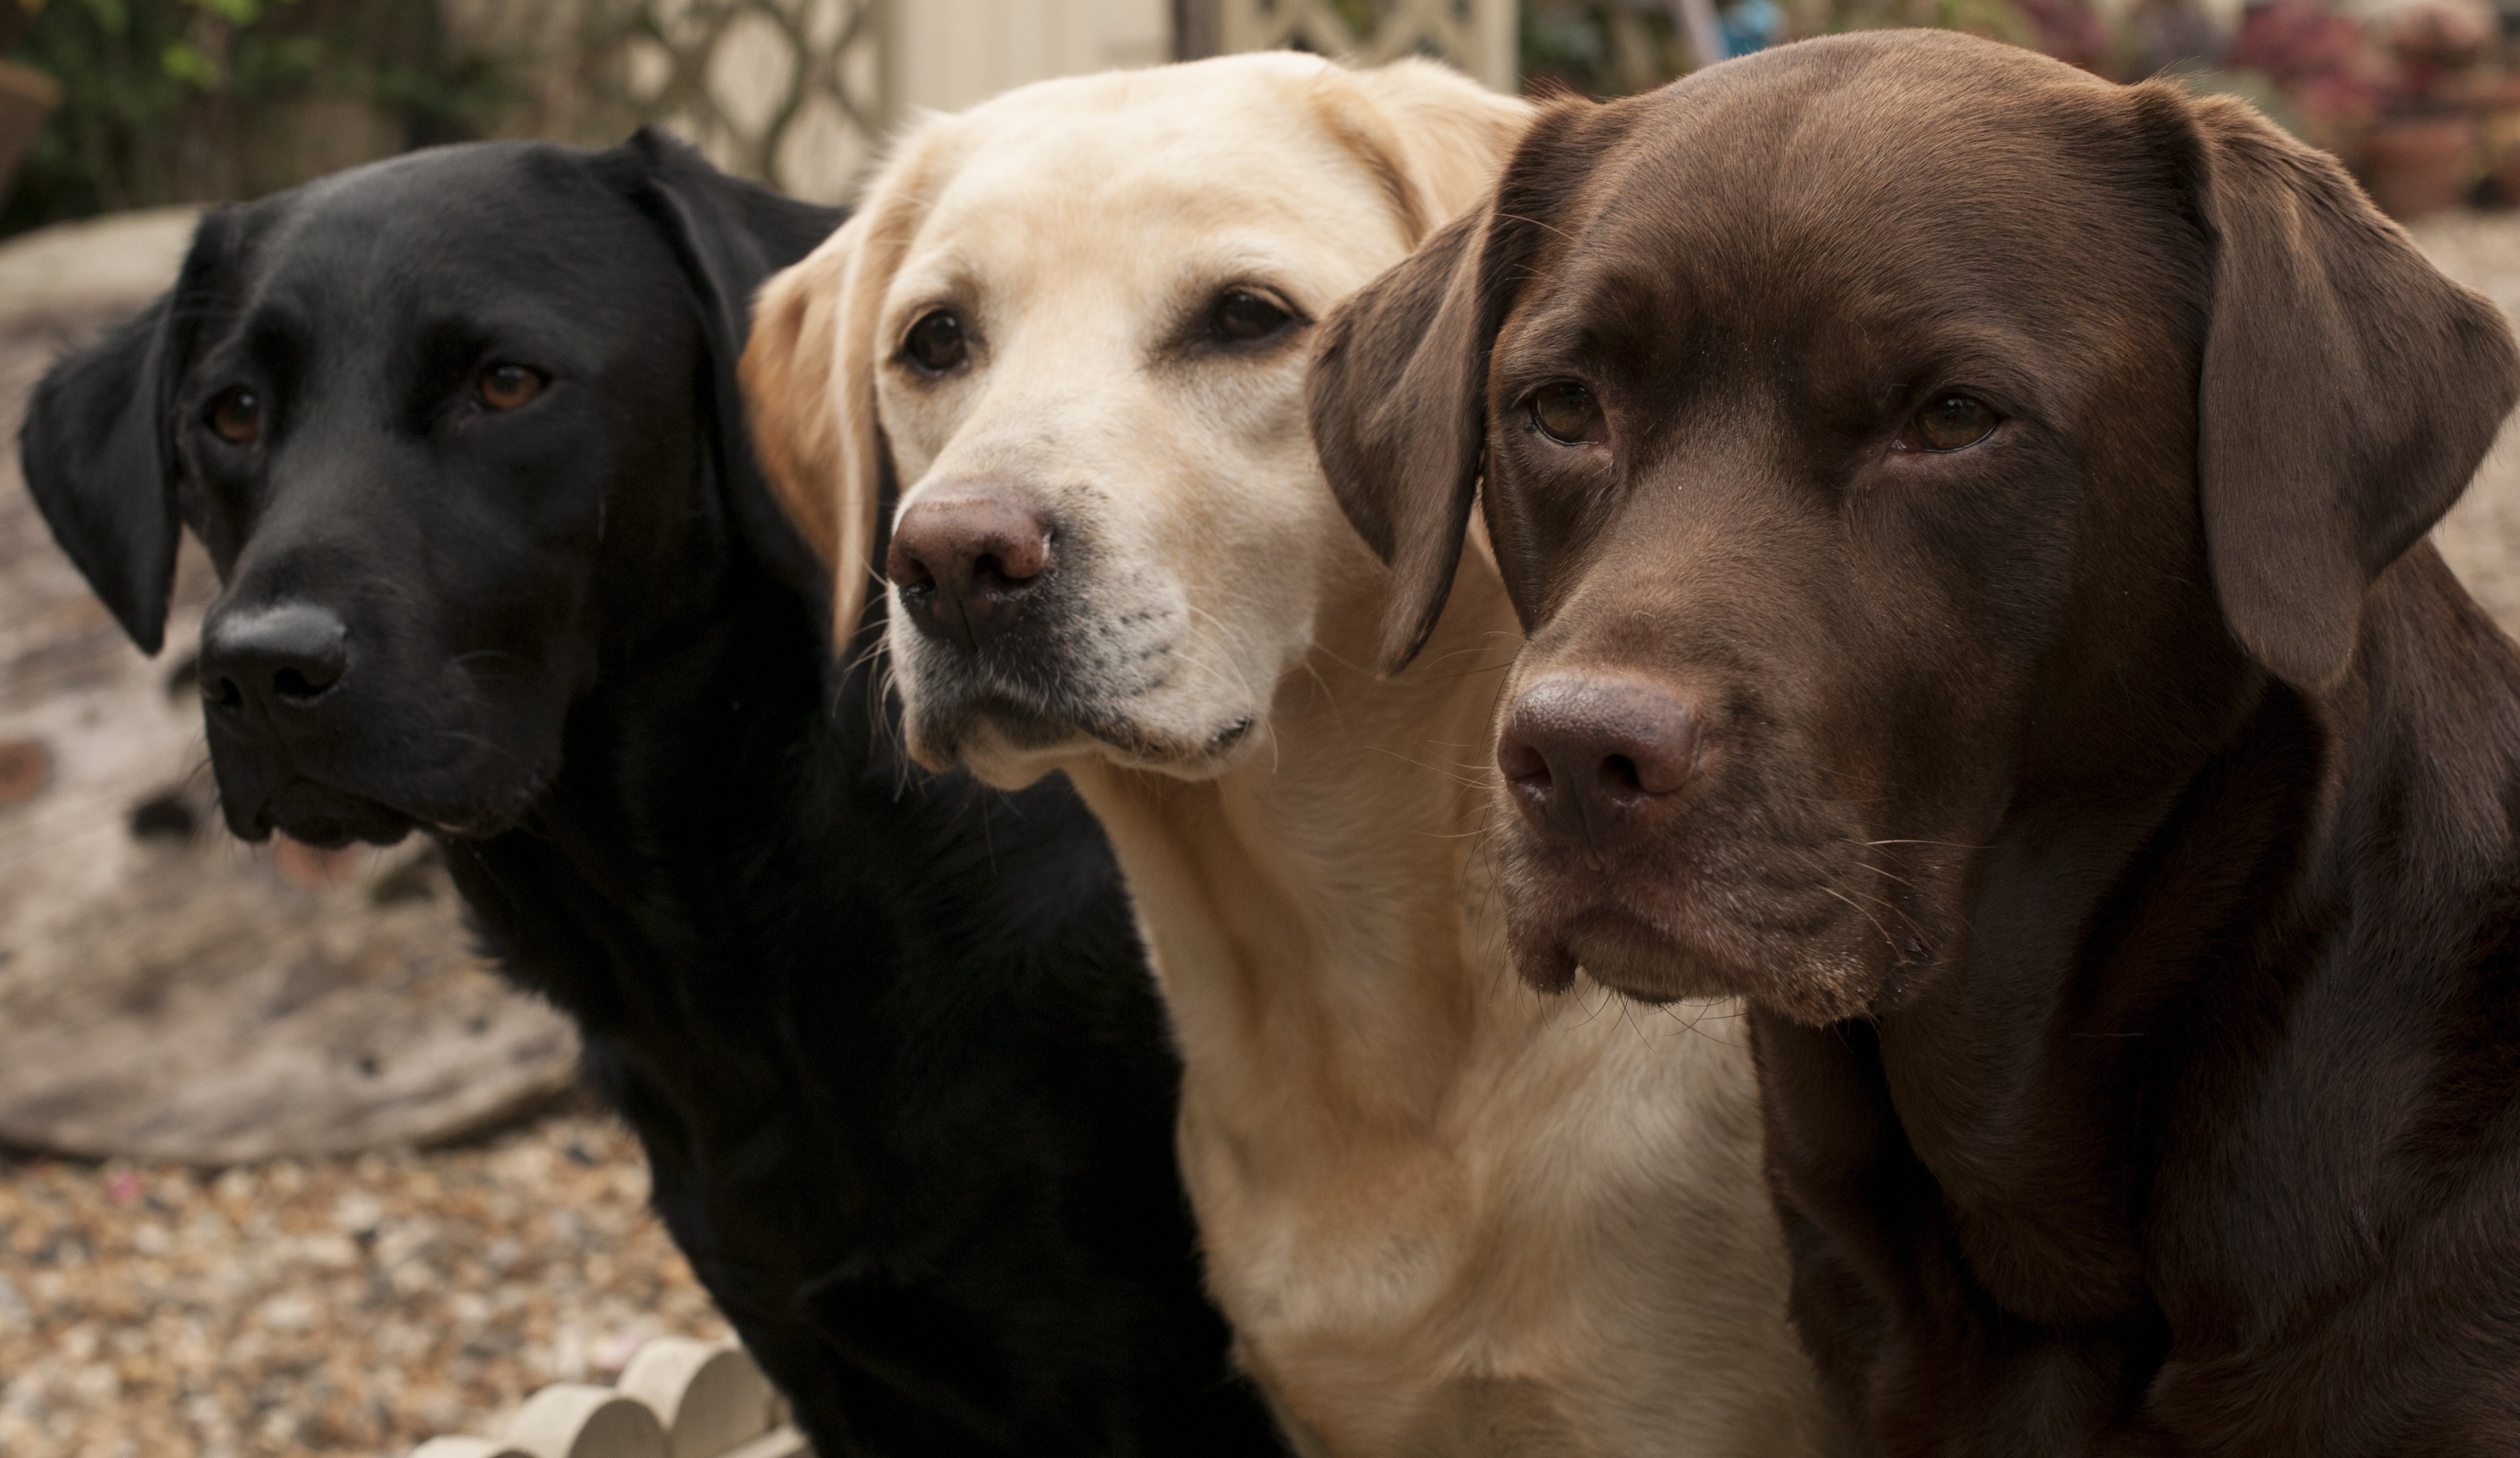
167,101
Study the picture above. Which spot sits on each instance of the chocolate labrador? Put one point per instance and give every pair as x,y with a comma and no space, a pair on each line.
461,435
1969,522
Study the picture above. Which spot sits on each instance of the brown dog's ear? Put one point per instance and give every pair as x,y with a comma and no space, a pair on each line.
1399,412
1399,387
809,380
2349,392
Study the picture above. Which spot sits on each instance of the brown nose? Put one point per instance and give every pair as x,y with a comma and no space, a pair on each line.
967,562
1595,760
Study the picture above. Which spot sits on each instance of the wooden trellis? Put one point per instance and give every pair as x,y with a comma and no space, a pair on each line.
801,93
1477,36
791,92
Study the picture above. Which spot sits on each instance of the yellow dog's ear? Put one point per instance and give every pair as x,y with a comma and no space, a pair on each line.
1434,137
809,384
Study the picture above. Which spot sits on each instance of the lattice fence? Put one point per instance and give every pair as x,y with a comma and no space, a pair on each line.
1476,35
793,93
788,91
800,93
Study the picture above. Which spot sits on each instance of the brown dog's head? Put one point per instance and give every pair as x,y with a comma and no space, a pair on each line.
1887,439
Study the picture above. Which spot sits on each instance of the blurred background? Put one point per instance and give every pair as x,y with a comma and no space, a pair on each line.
108,105
284,1170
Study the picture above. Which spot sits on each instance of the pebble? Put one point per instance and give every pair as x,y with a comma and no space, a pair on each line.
356,1305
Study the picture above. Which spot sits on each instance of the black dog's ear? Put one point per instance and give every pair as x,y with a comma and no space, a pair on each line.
1399,387
730,236
99,455
2348,394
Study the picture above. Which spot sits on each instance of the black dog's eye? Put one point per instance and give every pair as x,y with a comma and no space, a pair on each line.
936,343
507,387
1953,422
237,416
1569,414
1245,316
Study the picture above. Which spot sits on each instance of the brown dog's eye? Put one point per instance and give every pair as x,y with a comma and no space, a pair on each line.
935,344
1953,422
506,387
1567,413
237,416
1243,316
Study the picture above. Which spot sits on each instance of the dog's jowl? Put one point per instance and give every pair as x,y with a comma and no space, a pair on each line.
1968,520
462,436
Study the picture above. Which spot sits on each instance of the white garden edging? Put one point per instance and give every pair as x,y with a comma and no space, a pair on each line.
677,1398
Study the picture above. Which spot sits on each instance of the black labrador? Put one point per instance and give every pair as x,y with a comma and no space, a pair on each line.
1970,520
461,434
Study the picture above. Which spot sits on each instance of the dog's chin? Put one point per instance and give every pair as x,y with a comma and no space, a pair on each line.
1635,959
1620,952
1009,743
1654,936
360,782
319,815
1004,745
1202,755
328,816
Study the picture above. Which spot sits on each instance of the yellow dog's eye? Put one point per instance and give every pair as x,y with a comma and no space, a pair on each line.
1953,422
237,416
1243,315
507,387
1567,413
936,343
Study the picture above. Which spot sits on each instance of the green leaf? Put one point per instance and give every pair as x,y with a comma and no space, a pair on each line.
184,61
234,11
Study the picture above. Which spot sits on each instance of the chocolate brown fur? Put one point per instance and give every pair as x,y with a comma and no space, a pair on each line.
2116,823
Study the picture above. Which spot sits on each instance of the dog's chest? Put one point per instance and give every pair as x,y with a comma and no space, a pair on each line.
2017,1202
1396,1330
1484,1287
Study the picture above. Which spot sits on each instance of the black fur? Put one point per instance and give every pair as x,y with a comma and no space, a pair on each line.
887,1040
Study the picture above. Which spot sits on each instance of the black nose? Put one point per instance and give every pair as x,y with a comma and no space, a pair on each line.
277,661
969,560
1596,760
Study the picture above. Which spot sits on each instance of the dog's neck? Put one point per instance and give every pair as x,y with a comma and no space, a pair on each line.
2117,960
1417,1180
2268,801
1325,958
739,670
697,749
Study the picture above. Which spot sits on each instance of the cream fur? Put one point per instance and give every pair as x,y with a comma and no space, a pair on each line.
1445,1216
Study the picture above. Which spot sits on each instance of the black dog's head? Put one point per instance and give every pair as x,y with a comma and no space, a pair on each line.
457,430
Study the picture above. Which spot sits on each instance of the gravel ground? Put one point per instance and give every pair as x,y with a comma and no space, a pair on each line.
359,1305
334,1306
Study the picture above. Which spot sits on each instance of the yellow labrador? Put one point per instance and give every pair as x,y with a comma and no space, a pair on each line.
1445,1216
